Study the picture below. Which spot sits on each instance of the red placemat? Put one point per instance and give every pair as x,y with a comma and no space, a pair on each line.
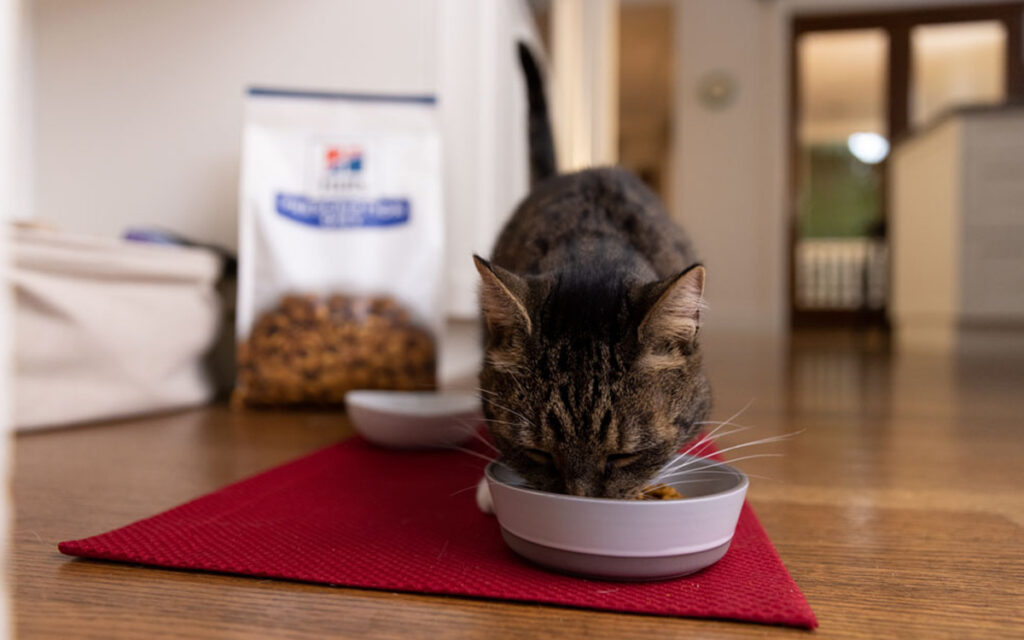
359,516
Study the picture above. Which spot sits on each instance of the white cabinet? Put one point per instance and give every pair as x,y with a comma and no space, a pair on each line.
957,219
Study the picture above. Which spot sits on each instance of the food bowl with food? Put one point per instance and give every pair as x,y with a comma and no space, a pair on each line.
623,539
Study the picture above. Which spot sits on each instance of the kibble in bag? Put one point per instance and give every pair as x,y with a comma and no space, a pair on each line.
340,247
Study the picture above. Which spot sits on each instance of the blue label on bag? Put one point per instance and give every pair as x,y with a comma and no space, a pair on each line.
337,213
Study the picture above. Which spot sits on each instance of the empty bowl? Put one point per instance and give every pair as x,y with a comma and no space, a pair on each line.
414,419
622,539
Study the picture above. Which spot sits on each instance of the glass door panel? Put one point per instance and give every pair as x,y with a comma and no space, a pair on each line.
841,135
954,65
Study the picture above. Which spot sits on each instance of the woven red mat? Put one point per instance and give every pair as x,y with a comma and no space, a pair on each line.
359,516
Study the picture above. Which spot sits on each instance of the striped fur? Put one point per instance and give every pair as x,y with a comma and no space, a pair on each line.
592,373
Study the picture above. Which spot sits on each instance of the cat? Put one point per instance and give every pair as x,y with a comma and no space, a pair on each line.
592,377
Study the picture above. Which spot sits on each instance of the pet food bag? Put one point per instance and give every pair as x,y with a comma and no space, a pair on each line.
340,247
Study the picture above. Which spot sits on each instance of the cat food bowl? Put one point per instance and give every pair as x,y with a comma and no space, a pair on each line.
622,539
414,419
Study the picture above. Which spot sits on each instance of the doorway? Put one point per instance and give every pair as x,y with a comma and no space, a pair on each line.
860,83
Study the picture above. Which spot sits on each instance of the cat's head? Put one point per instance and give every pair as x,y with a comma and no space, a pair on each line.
591,385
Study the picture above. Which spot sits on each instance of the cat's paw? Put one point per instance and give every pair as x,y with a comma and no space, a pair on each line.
483,497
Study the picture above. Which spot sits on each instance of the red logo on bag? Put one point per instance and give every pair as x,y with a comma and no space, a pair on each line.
347,160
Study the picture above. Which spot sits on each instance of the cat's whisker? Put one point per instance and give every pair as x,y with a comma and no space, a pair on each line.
701,442
700,470
697,448
779,438
705,470
500,406
738,429
718,422
695,472
513,412
720,464
673,483
477,454
455,493
474,431
484,441
731,418
651,490
493,421
705,440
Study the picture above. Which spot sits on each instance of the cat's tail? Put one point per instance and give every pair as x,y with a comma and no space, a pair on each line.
542,145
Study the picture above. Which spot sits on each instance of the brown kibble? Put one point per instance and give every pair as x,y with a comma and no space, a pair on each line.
659,492
310,351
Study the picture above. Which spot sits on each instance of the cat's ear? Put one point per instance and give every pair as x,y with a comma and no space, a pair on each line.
674,315
502,298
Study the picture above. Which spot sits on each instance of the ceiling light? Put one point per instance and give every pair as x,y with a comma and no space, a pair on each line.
869,148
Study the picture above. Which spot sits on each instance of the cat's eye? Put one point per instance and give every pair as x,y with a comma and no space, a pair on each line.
540,457
620,460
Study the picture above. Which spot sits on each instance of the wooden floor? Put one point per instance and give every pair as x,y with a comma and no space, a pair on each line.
899,510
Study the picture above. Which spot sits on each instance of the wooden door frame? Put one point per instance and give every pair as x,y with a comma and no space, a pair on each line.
897,24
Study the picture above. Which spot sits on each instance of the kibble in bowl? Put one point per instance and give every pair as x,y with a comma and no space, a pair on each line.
311,351
660,492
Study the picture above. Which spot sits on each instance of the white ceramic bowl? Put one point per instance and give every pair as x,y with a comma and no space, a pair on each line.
414,419
622,539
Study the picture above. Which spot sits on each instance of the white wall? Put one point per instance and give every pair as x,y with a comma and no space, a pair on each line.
482,97
10,30
138,104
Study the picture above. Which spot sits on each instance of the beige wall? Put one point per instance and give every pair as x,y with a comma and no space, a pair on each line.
722,191
926,201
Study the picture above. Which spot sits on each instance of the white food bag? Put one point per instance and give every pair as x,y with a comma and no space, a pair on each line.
340,194
108,328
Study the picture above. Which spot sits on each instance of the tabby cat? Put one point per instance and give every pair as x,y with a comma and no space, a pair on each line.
592,376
